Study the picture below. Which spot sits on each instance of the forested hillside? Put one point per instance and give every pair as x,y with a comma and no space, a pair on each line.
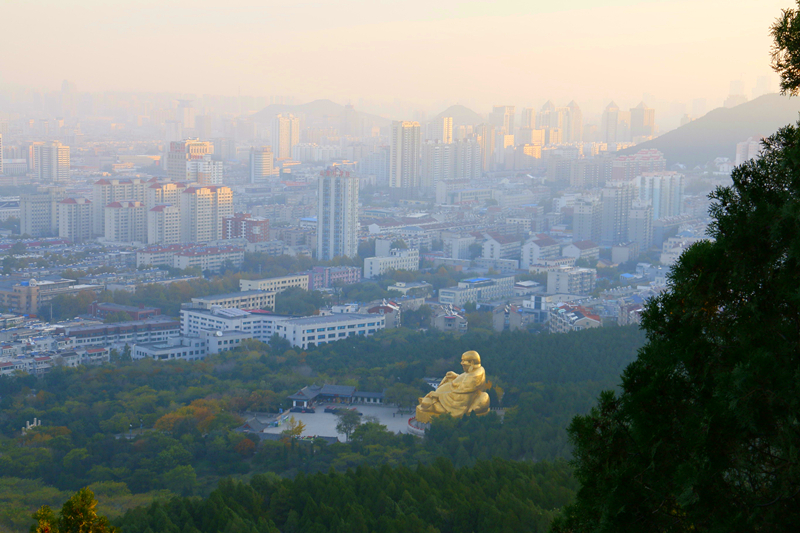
182,415
492,496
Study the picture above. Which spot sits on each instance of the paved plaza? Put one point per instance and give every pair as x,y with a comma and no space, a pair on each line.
323,424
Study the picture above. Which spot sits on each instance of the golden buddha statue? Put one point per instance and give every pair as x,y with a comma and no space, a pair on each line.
457,394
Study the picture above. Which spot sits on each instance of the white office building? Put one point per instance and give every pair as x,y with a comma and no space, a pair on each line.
337,215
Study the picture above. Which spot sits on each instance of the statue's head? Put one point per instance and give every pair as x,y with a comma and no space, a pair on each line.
470,361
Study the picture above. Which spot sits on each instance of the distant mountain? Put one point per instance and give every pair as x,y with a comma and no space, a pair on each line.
318,112
716,133
462,116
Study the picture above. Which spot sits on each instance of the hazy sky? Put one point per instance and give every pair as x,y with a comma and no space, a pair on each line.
431,51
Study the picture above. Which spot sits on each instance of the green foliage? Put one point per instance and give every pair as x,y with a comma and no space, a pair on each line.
786,50
297,301
704,436
348,421
492,496
78,515
117,316
187,409
67,306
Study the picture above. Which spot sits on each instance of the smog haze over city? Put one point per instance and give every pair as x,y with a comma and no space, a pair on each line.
452,266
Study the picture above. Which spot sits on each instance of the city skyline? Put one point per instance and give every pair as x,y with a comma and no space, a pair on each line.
389,50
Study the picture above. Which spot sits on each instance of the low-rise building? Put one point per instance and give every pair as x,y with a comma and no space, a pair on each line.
257,325
303,332
133,332
396,260
412,288
240,300
582,250
103,309
565,318
487,289
571,280
278,284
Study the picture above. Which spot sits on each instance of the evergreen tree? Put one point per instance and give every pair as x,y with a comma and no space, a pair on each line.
704,436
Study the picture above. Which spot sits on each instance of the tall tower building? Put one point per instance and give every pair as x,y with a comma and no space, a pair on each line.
640,225
164,224
126,221
404,158
573,129
1,154
437,163
447,130
203,210
610,124
38,212
181,153
643,121
262,162
486,142
106,191
664,191
467,159
337,215
617,200
586,220
502,118
52,162
285,134
204,170
528,118
75,219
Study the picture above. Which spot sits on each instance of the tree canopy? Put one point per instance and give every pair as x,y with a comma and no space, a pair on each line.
704,435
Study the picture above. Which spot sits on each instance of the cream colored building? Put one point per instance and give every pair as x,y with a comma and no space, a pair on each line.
181,152
52,162
404,156
75,219
126,221
397,260
164,224
106,191
38,211
275,284
285,134
203,210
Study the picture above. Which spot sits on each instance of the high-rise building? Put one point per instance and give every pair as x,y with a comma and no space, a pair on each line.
640,225
664,191
262,162
610,123
376,164
186,114
126,221
52,162
285,134
164,224
486,141
404,158
181,153
163,193
643,122
502,118
617,198
573,128
628,167
437,163
38,212
75,219
203,211
586,220
337,214
528,118
467,161
749,149
204,170
1,154
447,130
106,191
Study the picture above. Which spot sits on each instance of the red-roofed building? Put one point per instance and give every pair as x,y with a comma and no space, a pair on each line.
75,219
